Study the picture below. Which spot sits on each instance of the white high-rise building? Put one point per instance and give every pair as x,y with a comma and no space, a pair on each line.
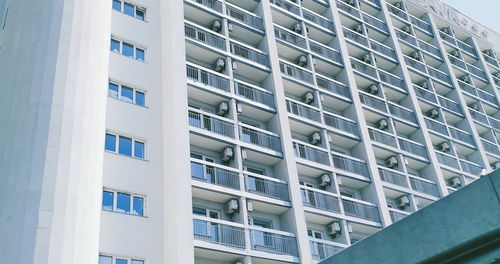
233,131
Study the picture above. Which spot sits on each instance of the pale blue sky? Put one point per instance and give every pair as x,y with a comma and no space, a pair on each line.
486,12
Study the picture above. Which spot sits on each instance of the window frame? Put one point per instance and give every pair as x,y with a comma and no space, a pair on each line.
132,195
115,257
136,8
117,145
134,48
134,93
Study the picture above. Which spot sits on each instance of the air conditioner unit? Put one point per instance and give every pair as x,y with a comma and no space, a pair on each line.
433,113
403,201
399,5
302,61
249,206
416,56
231,206
324,180
447,31
234,65
496,165
382,124
349,228
351,2
455,53
227,154
474,106
315,138
239,108
297,28
497,74
222,109
455,182
220,64
424,85
465,79
444,147
230,27
391,162
407,29
367,59
244,154
359,29
333,229
330,139
321,98
308,98
216,26
373,89
489,53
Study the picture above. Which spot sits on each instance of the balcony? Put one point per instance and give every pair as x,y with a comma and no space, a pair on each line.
249,54
296,73
356,37
361,210
417,65
448,38
422,25
213,4
252,93
289,37
198,75
447,160
490,98
409,39
396,216
325,52
430,48
350,165
439,75
490,147
318,20
287,6
218,233
321,250
251,135
426,187
392,79
467,88
373,102
303,111
461,136
333,86
457,62
215,174
348,9
273,189
382,137
364,68
479,117
436,126
490,60
210,122
245,17
203,36
467,48
402,113
398,12
477,72
311,154
320,200
450,105
341,123
375,22
494,123
393,177
383,49
425,94
412,147
471,167
273,243
374,3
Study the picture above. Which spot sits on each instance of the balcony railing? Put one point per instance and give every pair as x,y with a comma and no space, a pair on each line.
479,117
494,123
273,243
414,148
398,12
258,138
466,47
373,101
310,16
461,135
393,177
326,52
383,49
321,251
476,71
447,160
490,60
256,95
364,68
490,147
199,75
424,187
415,64
214,175
310,154
211,123
377,23
383,138
303,111
286,5
391,79
253,21
249,54
450,105
204,36
402,113
470,167
350,165
296,73
221,234
448,38
487,97
375,3
425,94
213,4
429,48
439,75
289,37
356,209
436,126
406,37
348,9
467,88
421,24
342,124
267,188
334,87
457,62
320,200
355,37
396,216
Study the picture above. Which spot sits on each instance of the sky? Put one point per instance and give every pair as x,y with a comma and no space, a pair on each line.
486,12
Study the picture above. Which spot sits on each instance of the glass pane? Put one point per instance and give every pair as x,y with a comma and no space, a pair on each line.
121,261
140,13
128,9
139,54
105,260
117,5
125,146
139,98
127,94
138,149
110,142
128,50
134,261
107,201
115,45
122,204
113,90
199,211
138,206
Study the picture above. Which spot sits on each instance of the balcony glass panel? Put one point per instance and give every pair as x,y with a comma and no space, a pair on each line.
392,79
320,200
350,165
466,47
368,212
425,94
287,6
296,73
199,75
267,188
470,167
487,97
273,243
310,154
342,124
415,64
398,12
436,126
490,147
221,234
373,102
382,138
457,62
406,37
355,37
424,187
377,23
421,24
317,19
393,177
326,52
303,111
383,49
254,94
364,68
334,87
447,160
348,9
211,123
414,148
429,48
480,117
450,105
289,37
402,113
321,251
395,216
461,135
448,38
213,4
439,75
253,136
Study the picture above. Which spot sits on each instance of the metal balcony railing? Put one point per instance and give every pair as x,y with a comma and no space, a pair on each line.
342,124
348,9
320,200
368,212
476,71
490,60
424,26
334,87
214,175
447,160
429,48
402,113
450,105
395,216
487,97
406,37
354,36
373,102
393,177
436,126
221,234
211,124
383,49
310,16
325,52
213,4
249,54
267,188
439,75
199,75
479,117
466,47
461,135
286,5
321,251
424,187
490,147
296,73
290,37
310,154
414,148
425,94
457,62
273,243
398,12
253,136
204,36
256,95
470,167
391,79
303,111
253,21
377,23
415,64
364,68
376,3
494,123
383,138
350,165
448,38
467,88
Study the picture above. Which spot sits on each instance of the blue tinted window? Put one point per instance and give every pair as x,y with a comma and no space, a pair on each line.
128,50
123,203
139,54
125,146
128,9
139,98
115,45
121,261
107,201
138,149
138,206
137,261
110,143
117,5
105,260
113,90
127,94
140,13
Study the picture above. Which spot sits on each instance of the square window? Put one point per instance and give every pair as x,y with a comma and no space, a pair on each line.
113,90
128,9
105,260
139,54
121,261
140,13
127,94
139,149
128,50
107,200
125,146
139,98
122,204
110,143
138,206
117,5
134,261
115,45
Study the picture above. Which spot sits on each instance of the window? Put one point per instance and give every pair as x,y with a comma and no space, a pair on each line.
126,94
127,49
129,9
118,260
122,202
125,145
205,212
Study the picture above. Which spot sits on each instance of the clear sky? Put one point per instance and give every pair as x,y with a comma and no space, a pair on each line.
486,12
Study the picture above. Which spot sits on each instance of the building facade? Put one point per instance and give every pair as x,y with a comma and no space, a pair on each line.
234,131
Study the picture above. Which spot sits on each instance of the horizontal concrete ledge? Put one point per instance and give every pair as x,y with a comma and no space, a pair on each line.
463,227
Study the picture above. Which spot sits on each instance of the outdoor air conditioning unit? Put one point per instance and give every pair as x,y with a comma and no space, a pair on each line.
239,108
407,29
315,138
231,206
455,53
359,29
302,61
227,154
424,85
496,165
444,147
447,31
244,154
351,2
333,229
234,65
489,53
297,28
308,98
222,109
373,89
391,162
465,79
455,182
497,74
382,124
367,59
474,106
403,201
219,65
216,26
416,56
229,27
433,113
249,206
399,5
324,180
